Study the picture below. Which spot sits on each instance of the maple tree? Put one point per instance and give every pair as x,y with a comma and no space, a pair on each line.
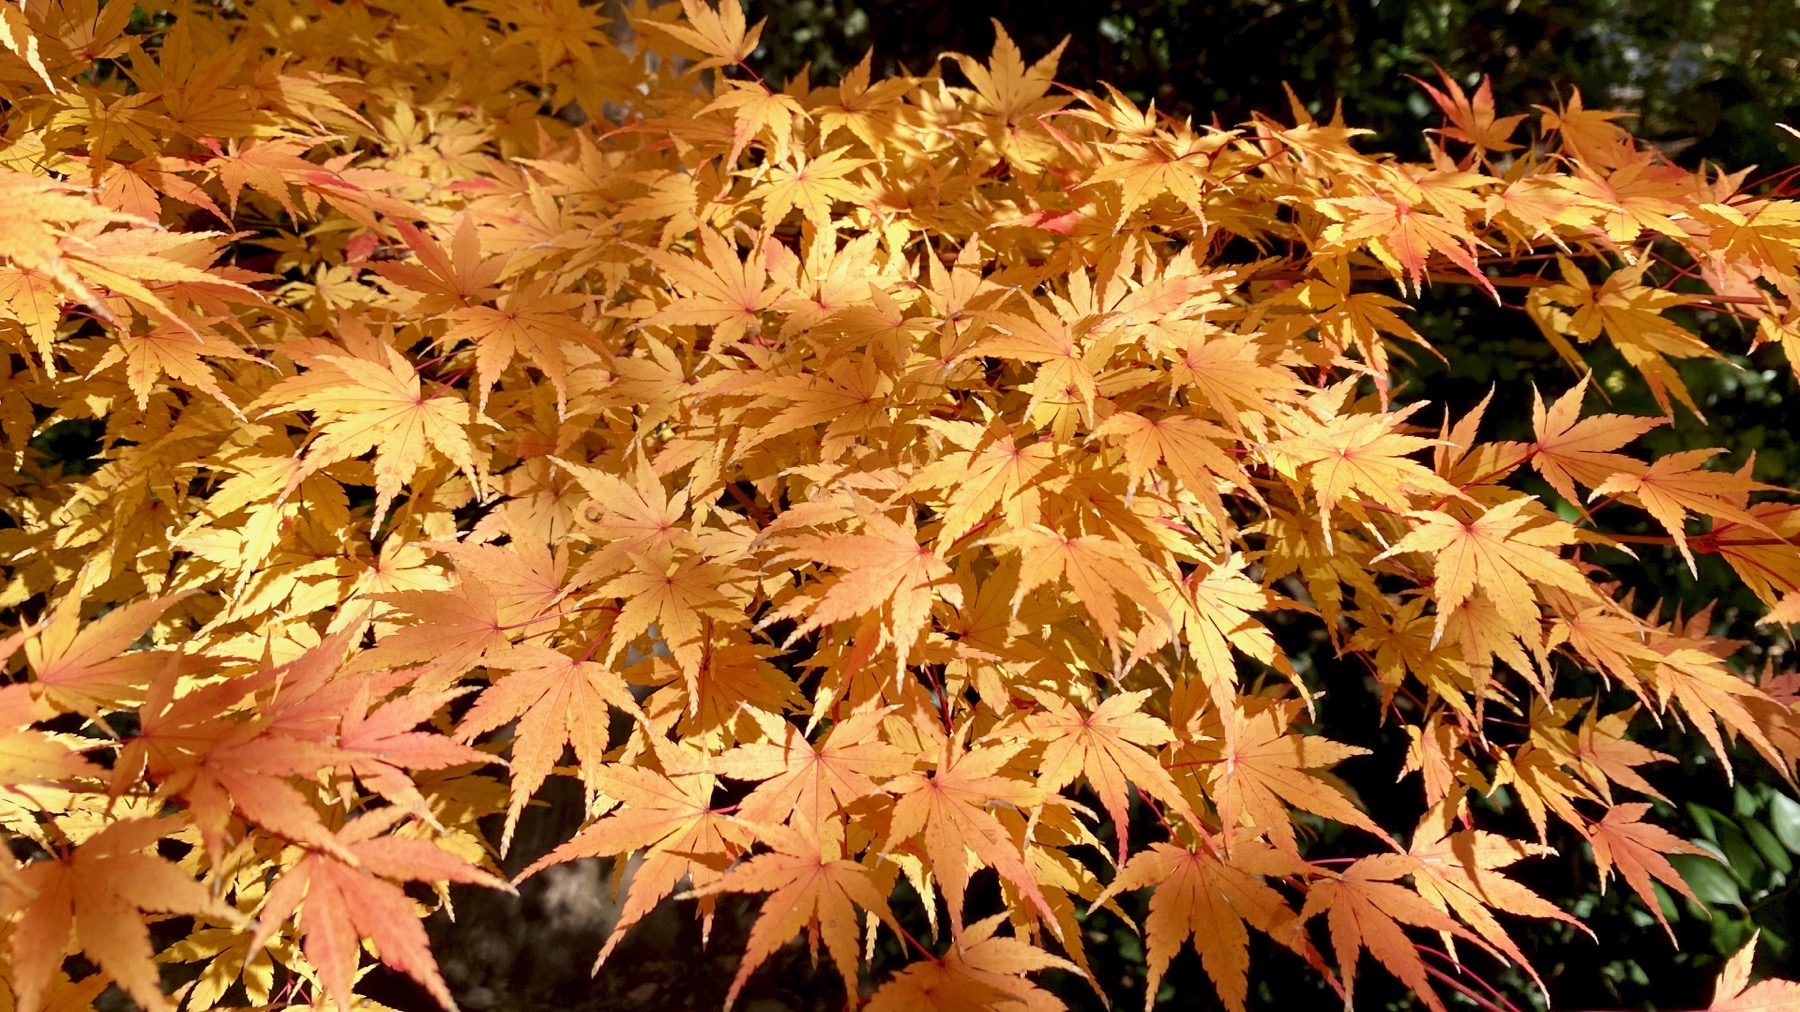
848,486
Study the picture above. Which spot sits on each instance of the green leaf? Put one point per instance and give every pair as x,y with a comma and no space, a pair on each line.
1743,803
1709,880
1704,820
1740,856
1768,846
1784,817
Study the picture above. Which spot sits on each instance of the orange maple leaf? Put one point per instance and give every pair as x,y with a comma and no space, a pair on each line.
1572,449
1735,993
559,701
1623,842
812,889
86,668
885,571
982,971
1472,121
1107,746
340,904
369,397
97,894
1675,486
1366,908
948,811
1202,896
1261,768
671,816
1459,872
1403,238
806,784
1502,554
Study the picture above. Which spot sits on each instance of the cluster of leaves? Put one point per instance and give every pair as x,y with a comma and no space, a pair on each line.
855,489
1703,80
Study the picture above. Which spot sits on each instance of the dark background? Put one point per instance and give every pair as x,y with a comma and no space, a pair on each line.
1707,81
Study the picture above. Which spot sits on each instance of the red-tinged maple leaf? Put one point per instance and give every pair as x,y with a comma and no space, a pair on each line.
87,668
811,888
96,894
559,701
1472,121
672,820
1203,896
1501,553
340,905
366,398
948,812
1108,747
809,784
222,757
1675,485
1253,774
1622,841
885,570
1735,993
1403,238
1458,872
1366,908
1571,449
379,745
982,971
445,280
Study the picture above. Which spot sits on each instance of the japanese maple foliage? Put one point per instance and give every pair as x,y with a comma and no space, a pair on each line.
863,491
